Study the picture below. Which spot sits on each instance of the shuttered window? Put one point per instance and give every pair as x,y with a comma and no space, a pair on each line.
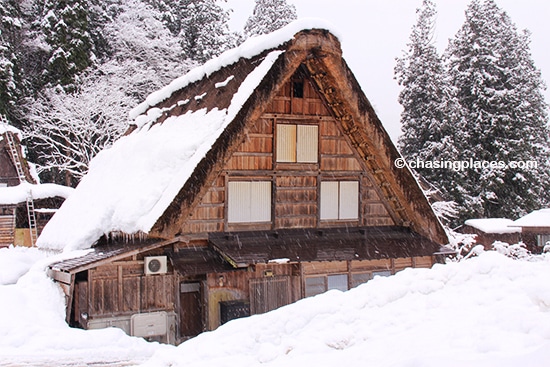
249,201
297,143
339,200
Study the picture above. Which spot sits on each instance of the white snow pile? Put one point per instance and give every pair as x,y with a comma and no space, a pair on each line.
482,312
32,320
18,194
493,225
130,185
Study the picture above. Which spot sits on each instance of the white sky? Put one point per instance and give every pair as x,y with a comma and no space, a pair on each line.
375,32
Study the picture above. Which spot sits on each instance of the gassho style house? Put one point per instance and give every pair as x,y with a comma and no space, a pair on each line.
260,178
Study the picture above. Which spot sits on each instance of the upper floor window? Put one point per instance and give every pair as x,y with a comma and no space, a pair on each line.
249,201
339,200
297,143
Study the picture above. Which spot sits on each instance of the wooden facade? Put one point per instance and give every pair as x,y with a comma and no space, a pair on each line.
298,196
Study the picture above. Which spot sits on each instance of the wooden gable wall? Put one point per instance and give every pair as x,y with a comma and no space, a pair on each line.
295,186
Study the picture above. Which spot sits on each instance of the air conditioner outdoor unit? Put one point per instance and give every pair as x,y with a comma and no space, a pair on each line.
155,265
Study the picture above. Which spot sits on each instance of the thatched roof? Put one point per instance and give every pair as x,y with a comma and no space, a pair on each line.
151,179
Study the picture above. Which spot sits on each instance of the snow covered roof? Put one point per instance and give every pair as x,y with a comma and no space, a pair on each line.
538,218
493,225
131,184
18,194
149,180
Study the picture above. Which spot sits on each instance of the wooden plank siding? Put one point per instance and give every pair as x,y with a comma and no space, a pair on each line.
295,197
124,290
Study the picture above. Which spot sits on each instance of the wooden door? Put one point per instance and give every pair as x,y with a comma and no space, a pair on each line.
267,294
190,309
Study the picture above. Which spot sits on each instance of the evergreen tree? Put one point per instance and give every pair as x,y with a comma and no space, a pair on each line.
65,26
499,90
10,37
429,119
204,29
268,16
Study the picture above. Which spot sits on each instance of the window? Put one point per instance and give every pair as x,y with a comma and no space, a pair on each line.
543,240
249,201
360,278
320,284
297,143
298,89
339,200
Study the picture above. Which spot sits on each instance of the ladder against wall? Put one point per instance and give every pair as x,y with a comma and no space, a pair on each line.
18,163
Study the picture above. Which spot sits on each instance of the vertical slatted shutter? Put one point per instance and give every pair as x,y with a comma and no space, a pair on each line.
349,200
286,143
238,202
329,200
249,202
260,201
307,144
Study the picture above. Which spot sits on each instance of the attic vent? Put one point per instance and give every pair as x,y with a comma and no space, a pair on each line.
298,89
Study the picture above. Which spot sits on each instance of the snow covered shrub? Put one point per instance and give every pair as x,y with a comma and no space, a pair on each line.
515,251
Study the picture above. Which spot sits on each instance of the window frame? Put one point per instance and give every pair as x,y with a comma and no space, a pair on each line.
235,214
338,210
297,150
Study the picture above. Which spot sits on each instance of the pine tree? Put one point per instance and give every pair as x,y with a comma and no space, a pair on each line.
65,26
268,16
203,29
499,90
429,118
10,79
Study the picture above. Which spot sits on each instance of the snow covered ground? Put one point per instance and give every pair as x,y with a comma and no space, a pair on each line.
485,311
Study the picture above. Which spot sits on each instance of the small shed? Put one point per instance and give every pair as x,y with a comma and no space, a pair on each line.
25,205
535,229
489,230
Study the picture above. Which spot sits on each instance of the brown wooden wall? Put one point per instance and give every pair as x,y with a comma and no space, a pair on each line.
123,289
295,198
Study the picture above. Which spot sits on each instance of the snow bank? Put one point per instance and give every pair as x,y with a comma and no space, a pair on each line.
130,185
18,194
483,312
251,47
493,225
486,311
32,320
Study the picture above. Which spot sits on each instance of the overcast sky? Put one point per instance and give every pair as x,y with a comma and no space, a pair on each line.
374,32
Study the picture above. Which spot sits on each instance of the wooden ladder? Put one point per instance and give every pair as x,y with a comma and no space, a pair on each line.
31,216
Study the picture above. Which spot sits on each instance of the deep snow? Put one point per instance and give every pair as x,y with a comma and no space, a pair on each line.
485,311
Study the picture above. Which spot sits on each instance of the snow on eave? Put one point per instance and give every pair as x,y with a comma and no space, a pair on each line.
538,218
18,194
250,48
493,225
